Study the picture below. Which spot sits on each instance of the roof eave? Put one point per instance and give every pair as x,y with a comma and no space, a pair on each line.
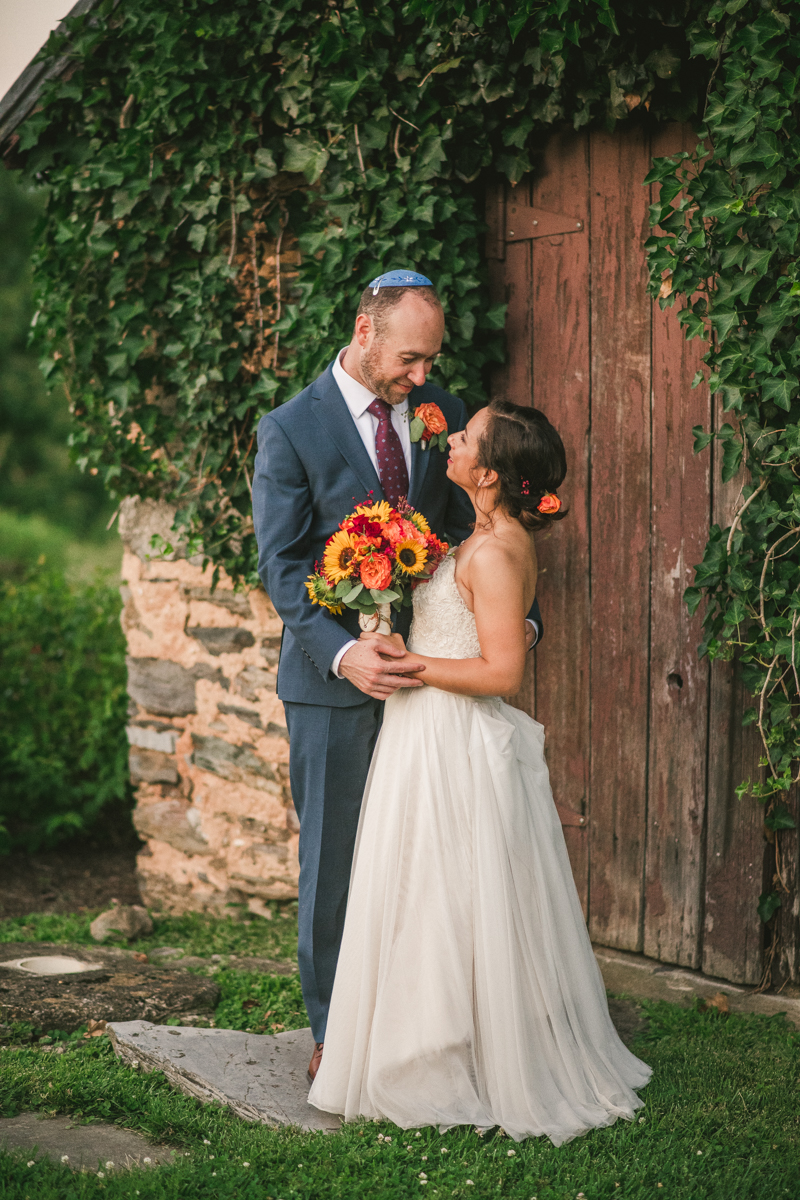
23,94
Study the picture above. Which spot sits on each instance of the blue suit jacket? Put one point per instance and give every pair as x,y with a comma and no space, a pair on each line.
311,470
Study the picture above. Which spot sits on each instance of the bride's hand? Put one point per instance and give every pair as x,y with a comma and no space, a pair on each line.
394,639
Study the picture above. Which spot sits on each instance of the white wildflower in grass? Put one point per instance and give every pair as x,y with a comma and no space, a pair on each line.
213,1173
206,1142
417,1134
699,1151
424,1158
101,1174
245,1164
380,1137
387,1139
422,1175
511,1154
147,1160
65,1158
31,1163
109,1166
469,1183
444,1150
641,1120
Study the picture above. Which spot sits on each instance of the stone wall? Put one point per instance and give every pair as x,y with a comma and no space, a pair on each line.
209,750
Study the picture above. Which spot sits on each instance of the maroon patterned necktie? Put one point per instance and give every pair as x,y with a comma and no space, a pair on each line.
389,452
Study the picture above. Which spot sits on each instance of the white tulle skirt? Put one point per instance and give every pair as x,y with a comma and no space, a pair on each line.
466,990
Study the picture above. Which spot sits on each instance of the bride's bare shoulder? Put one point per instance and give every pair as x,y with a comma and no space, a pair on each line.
497,557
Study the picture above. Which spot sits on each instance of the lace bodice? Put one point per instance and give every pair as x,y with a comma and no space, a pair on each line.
443,626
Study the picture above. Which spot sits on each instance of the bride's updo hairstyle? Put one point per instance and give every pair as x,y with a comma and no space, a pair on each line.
521,445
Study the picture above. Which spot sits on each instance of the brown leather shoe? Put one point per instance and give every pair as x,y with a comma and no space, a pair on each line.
316,1059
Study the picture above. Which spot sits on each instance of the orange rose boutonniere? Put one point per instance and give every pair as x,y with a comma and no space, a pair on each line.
429,426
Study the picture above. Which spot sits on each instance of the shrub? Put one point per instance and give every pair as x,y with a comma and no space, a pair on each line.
63,751
24,540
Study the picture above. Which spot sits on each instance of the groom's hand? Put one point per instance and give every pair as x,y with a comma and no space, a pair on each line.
369,667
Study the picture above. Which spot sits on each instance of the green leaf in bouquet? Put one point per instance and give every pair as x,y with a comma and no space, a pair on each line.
349,595
416,428
443,440
384,597
343,587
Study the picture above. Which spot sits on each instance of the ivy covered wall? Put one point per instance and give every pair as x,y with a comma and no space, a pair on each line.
226,175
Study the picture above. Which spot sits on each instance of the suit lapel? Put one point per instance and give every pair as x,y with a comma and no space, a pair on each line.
419,465
334,416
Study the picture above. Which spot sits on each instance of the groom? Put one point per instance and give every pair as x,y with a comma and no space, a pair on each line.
342,441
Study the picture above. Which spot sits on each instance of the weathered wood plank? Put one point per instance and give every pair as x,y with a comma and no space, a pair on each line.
516,380
510,281
620,541
786,967
733,934
561,374
681,510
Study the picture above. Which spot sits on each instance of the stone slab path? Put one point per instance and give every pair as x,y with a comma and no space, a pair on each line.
259,1077
90,1147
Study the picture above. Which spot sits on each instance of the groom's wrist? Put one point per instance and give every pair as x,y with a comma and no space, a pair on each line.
339,656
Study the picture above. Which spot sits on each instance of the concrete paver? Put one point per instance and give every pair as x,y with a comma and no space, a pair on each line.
258,1076
91,1147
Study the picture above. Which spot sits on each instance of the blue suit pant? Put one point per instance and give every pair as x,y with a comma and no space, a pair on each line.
329,757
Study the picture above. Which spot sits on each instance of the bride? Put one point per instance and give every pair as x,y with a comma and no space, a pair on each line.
466,990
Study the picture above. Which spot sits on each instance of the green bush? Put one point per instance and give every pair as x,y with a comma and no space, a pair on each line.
25,541
63,751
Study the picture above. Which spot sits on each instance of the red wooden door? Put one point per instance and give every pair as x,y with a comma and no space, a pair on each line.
668,862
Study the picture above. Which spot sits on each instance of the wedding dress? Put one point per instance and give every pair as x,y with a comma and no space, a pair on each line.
466,990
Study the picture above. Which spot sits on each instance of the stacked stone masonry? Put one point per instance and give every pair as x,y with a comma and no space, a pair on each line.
209,749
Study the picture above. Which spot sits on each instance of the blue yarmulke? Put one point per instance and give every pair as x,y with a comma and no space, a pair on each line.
399,279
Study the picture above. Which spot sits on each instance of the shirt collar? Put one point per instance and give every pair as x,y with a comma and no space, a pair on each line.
356,396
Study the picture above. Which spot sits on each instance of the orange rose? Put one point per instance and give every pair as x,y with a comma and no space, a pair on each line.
376,572
433,417
549,503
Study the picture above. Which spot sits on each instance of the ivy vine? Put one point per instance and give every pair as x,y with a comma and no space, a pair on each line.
224,176
729,218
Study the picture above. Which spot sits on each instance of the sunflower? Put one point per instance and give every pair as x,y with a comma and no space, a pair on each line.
382,511
417,519
410,556
337,561
320,593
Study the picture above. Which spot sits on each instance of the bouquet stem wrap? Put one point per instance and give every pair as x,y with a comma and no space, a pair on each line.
379,621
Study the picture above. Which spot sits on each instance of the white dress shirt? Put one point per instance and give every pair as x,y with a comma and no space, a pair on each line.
358,399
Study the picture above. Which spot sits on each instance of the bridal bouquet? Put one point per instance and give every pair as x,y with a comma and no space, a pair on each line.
374,561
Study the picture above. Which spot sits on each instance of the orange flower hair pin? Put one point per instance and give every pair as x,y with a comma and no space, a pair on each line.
549,503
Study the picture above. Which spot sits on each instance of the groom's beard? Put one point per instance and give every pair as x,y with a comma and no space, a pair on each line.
384,387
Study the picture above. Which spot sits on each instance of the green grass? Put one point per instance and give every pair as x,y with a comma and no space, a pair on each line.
194,933
723,1085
